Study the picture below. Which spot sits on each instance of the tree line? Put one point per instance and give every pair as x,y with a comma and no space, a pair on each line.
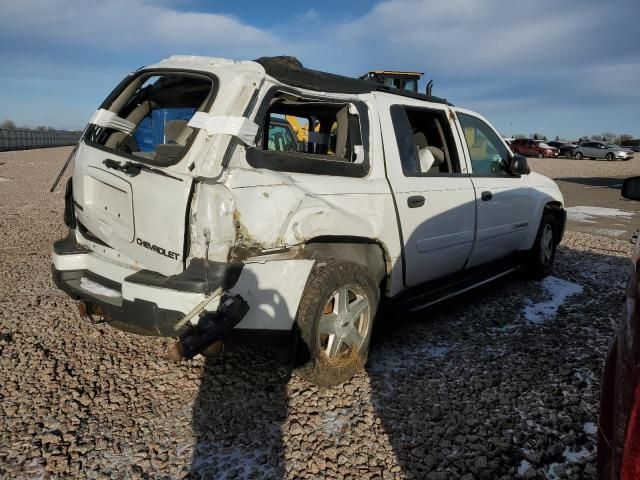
11,124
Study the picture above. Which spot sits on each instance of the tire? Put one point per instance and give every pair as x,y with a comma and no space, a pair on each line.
609,157
326,355
540,155
568,155
578,156
540,258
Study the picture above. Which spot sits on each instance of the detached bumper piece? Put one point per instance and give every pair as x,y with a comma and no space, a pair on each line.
211,327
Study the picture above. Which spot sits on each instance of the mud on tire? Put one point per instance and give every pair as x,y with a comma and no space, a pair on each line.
334,322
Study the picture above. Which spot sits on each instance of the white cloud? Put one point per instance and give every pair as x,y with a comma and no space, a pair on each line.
130,26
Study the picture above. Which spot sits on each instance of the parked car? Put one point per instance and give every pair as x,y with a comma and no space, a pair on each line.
619,420
533,148
218,234
633,148
564,149
596,150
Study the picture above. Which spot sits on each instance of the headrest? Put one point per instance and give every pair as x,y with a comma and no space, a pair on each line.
173,129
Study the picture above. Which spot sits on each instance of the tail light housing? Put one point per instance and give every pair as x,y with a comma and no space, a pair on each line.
630,468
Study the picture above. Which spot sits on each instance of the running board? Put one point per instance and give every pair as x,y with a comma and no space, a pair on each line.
423,300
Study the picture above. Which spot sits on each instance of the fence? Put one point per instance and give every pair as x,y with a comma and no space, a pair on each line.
23,139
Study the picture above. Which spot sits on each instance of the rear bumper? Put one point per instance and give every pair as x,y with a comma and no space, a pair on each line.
137,301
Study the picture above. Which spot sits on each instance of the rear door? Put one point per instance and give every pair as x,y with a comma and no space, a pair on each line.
128,194
502,200
434,197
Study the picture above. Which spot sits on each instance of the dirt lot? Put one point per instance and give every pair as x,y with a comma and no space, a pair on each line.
501,383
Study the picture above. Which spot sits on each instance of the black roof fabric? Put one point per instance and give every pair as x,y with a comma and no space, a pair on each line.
290,71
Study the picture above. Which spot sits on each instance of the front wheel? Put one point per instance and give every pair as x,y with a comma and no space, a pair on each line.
610,157
540,155
540,258
335,320
578,155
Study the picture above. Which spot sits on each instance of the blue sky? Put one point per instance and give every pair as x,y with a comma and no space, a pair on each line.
558,67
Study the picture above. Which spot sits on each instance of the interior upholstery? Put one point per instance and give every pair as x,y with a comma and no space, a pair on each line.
342,132
176,131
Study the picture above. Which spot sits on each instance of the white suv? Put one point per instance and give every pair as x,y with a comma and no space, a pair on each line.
195,213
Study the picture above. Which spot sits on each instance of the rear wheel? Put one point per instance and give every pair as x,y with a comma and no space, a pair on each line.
609,156
578,155
335,320
540,258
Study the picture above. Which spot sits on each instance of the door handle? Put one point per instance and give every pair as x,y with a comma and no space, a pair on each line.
486,196
415,201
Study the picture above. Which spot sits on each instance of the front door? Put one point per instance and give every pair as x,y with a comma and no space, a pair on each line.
502,200
434,196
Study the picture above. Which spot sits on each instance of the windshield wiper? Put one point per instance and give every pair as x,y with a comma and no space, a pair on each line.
132,169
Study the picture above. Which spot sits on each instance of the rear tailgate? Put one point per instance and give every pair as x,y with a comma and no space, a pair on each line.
142,215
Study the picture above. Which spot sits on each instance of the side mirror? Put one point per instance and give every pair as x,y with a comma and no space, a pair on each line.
518,165
631,188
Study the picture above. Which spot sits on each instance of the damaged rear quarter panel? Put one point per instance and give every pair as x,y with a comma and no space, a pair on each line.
275,209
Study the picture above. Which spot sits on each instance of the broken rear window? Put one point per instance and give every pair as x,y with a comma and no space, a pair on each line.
148,119
317,136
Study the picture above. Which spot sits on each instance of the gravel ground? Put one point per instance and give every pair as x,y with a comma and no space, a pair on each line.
569,167
500,383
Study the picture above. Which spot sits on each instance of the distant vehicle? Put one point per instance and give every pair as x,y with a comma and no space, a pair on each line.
619,421
394,78
533,148
634,148
282,136
565,149
607,150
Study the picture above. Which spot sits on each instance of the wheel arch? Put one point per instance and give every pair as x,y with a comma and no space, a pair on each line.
546,203
368,252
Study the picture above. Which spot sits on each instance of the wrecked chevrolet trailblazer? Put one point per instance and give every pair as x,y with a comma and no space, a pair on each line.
262,201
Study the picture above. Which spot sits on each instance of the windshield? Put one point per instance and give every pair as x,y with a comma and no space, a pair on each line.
613,145
148,119
544,145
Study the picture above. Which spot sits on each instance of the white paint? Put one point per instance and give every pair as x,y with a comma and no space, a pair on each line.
559,290
4,180
97,289
590,428
586,214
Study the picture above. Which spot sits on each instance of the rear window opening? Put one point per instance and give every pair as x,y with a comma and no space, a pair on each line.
152,113
425,141
312,129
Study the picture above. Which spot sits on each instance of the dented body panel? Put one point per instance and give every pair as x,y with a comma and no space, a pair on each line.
161,235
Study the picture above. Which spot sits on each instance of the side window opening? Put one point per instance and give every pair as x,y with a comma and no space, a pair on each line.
487,153
312,129
425,141
157,107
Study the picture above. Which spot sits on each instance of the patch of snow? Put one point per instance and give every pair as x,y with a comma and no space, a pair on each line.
586,214
436,352
569,457
573,457
97,289
523,467
334,421
559,290
393,360
608,232
590,428
4,180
